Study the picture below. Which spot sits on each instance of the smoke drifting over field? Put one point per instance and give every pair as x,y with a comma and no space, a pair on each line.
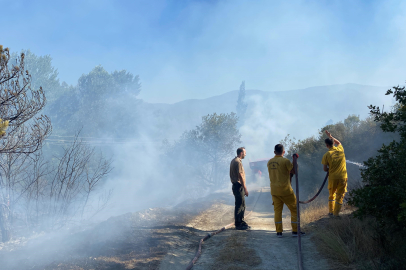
301,113
139,180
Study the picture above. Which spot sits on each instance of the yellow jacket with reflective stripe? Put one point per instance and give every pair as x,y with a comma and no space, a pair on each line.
335,159
279,169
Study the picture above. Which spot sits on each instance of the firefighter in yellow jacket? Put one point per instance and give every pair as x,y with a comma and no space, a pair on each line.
334,163
279,169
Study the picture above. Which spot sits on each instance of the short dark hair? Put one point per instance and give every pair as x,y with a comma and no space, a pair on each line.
240,150
329,141
279,149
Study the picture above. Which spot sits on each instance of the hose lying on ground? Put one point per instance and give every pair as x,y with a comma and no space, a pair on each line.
318,192
199,249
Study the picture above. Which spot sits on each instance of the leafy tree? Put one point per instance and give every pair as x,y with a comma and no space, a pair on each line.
63,109
102,103
205,152
99,84
241,107
383,195
351,122
43,74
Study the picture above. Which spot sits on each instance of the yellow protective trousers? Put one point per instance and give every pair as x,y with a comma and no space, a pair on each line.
290,201
337,189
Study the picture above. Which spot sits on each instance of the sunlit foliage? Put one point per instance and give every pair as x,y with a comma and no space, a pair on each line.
383,195
204,153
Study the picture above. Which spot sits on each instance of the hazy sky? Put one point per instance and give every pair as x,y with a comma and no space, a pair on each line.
196,49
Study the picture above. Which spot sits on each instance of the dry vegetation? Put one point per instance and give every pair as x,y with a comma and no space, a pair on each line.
235,255
132,241
348,242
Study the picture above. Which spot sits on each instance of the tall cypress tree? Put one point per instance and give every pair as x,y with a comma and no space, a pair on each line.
241,104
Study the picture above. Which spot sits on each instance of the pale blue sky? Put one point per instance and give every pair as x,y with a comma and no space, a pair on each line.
196,49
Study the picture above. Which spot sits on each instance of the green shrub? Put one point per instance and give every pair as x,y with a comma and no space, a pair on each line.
383,194
360,139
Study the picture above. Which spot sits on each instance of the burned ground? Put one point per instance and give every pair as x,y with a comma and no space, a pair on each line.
168,238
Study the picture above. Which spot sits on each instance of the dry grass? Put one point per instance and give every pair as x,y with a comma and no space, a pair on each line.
313,212
349,242
235,255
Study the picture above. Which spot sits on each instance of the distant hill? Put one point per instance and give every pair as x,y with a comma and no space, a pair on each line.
270,115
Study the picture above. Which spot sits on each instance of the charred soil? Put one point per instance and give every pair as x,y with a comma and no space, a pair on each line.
168,238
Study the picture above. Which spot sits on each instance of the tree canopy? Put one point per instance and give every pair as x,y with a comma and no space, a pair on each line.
383,194
43,74
101,103
98,84
205,152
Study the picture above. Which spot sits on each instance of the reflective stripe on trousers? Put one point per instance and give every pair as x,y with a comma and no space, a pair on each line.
337,191
290,202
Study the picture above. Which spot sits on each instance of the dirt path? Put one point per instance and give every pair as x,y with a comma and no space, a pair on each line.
258,248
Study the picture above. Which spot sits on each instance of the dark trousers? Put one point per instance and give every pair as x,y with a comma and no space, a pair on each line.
239,210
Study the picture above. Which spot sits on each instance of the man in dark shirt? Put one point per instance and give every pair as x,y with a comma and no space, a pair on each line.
237,177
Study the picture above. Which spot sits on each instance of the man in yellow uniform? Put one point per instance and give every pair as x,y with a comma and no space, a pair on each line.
334,163
279,169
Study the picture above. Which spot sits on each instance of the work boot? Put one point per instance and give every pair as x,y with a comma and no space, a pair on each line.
279,235
337,209
242,227
244,223
294,234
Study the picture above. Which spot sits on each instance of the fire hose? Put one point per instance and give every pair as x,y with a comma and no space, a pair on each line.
299,236
299,240
318,192
298,202
199,249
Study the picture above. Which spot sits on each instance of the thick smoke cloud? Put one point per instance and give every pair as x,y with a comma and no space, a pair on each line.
301,113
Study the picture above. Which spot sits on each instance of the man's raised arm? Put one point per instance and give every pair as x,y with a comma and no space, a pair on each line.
335,141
